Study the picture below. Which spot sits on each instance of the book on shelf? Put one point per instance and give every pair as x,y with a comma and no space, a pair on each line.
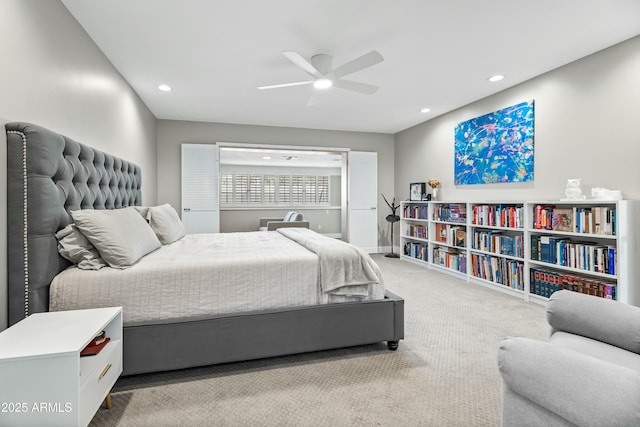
441,232
459,236
452,212
577,219
499,270
95,346
416,230
546,282
562,219
415,211
416,250
450,258
535,246
542,217
508,245
588,256
499,215
458,212
98,339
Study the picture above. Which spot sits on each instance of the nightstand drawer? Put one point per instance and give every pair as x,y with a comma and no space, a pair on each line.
98,381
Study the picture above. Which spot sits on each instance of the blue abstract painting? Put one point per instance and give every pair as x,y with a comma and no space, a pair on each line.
496,147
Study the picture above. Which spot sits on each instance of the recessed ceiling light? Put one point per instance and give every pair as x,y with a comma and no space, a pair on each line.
496,78
322,83
425,110
266,157
165,88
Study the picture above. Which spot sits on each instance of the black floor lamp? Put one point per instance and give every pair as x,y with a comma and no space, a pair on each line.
392,219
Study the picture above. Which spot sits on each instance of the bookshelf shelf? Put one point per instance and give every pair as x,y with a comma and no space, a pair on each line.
416,260
499,286
478,251
576,235
417,239
449,270
574,270
529,248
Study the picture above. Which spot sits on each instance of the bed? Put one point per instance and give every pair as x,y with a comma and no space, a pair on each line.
50,175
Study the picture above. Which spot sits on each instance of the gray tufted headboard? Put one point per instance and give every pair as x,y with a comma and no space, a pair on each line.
48,175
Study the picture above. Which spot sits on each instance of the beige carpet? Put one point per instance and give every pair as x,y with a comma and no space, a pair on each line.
443,374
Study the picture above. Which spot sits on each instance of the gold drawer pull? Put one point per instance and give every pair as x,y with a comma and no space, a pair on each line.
104,371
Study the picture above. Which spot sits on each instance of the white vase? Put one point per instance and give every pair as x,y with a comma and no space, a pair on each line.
434,194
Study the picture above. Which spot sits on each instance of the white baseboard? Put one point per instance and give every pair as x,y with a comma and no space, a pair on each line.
387,249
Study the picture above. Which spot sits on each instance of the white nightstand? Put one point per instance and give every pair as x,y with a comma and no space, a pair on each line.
43,379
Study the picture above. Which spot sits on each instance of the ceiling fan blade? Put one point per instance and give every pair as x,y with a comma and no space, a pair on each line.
367,60
286,85
301,62
356,86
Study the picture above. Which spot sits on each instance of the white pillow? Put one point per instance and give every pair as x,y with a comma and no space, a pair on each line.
143,210
166,223
73,246
121,236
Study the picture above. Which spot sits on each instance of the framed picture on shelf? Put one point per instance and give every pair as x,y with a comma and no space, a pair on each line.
416,190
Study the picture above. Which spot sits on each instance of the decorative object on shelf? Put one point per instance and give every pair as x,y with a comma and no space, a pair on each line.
496,147
598,193
435,185
392,219
573,190
416,191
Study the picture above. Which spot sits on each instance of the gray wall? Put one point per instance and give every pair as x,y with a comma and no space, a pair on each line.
53,75
172,133
586,126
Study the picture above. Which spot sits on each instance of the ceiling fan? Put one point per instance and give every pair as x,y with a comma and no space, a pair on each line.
319,67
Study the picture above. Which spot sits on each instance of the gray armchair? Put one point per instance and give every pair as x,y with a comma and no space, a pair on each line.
588,374
291,219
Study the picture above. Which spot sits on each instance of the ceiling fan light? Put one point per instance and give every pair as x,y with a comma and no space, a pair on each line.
322,83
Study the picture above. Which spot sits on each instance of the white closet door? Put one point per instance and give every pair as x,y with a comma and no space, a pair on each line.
363,200
200,201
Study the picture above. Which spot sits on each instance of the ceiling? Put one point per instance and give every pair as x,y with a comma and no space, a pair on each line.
437,53
279,157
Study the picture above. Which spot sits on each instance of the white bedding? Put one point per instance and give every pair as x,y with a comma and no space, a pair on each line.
205,274
344,269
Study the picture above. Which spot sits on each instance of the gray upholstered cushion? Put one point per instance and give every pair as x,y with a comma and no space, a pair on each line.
583,390
597,349
601,319
121,236
166,223
75,247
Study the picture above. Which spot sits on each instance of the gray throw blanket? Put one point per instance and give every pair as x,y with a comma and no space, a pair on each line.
344,269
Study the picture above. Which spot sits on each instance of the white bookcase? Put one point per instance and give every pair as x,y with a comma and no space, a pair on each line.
414,231
497,246
448,227
589,246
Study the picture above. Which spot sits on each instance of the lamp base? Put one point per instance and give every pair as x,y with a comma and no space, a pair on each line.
392,255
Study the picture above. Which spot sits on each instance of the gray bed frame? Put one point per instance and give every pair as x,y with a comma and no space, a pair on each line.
49,174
